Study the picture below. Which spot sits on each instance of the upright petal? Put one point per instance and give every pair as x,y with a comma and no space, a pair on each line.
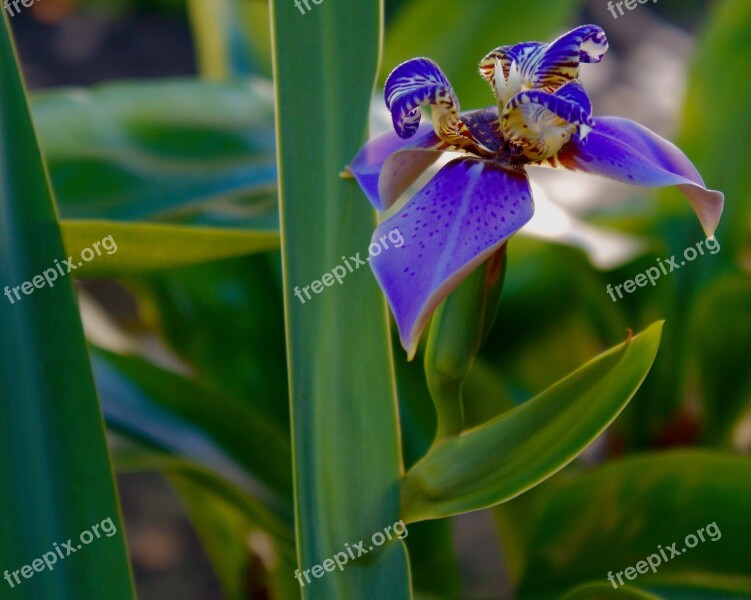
542,123
419,82
459,219
560,62
625,151
547,67
387,165
522,58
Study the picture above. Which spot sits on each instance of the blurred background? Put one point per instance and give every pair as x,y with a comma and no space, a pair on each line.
210,322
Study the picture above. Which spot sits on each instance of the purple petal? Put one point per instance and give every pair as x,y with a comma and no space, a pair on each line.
549,66
625,151
458,220
387,165
413,84
560,62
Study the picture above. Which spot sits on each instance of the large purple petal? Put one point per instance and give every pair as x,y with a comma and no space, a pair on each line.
458,220
387,165
625,151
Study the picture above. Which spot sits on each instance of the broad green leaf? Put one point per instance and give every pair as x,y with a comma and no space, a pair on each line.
226,320
136,455
224,533
605,591
435,568
721,346
54,462
457,35
175,415
724,42
179,151
344,416
511,454
620,514
247,562
135,248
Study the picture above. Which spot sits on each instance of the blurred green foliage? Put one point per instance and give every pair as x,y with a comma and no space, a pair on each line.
199,156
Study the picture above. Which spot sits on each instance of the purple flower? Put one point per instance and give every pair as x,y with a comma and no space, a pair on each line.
471,207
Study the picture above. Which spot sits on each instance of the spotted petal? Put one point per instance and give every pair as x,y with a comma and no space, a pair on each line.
420,82
625,151
548,66
542,123
387,165
458,220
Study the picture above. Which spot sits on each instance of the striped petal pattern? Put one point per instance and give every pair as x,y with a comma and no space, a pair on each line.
420,82
543,123
547,67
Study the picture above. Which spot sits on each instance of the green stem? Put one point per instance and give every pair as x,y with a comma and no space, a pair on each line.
459,327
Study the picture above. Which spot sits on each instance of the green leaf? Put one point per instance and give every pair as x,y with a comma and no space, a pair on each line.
248,563
457,36
721,345
232,37
136,455
344,416
179,151
511,454
225,436
214,318
53,456
725,42
604,591
618,515
152,247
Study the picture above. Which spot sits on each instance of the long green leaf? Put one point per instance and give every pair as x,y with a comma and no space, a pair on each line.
507,456
616,516
165,411
54,461
178,151
214,318
721,345
605,591
152,247
346,446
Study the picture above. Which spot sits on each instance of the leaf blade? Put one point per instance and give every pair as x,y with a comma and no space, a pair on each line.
502,459
52,445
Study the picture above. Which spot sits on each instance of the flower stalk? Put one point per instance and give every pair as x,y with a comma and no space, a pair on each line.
459,327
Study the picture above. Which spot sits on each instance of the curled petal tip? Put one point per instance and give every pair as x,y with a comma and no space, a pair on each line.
628,152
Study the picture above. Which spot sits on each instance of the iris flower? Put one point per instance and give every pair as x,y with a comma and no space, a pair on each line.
470,208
